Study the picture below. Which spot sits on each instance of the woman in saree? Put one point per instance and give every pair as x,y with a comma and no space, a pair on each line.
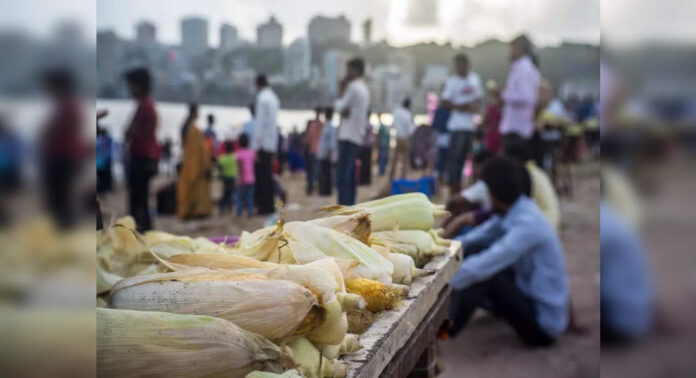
193,186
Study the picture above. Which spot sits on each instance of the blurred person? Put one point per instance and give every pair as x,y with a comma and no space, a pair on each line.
62,146
493,140
141,147
514,261
520,94
296,162
193,185
312,136
462,94
366,152
166,157
440,121
246,158
265,142
472,206
282,152
542,190
229,170
353,105
248,126
327,153
404,127
383,145
210,136
104,160
11,155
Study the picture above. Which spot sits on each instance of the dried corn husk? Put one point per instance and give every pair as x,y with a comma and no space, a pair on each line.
357,225
271,308
147,344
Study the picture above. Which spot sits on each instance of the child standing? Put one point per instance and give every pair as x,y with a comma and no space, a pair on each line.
245,160
228,172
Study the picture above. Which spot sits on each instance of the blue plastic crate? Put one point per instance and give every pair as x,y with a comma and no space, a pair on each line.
425,185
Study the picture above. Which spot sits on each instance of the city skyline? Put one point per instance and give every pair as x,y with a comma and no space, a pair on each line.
469,22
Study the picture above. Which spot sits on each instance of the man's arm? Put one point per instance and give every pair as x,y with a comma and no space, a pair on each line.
501,254
521,91
342,104
486,233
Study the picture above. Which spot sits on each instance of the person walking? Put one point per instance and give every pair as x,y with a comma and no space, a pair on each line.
327,153
141,147
265,143
383,142
520,94
404,126
193,185
353,105
312,136
462,94
245,195
229,169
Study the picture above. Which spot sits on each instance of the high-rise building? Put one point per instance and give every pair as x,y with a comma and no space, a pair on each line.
145,33
367,32
323,29
334,70
228,37
270,34
194,36
108,58
297,62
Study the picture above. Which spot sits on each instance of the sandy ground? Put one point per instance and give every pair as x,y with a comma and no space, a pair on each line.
488,347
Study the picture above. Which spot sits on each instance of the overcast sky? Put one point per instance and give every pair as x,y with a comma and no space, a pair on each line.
399,21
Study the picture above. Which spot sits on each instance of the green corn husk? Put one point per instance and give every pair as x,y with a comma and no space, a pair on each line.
312,364
148,344
411,211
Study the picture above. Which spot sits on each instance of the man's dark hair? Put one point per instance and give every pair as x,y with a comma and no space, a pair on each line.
59,80
318,110
519,152
252,109
502,176
357,64
482,157
229,147
211,118
406,103
243,141
140,77
261,80
461,57
328,113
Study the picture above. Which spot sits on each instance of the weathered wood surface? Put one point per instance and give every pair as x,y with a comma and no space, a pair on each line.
392,329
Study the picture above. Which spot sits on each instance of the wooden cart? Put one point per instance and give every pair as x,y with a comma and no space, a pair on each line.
401,342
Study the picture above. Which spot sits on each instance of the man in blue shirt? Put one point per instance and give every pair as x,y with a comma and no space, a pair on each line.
513,262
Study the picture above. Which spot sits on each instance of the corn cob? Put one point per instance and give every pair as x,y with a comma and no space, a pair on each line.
271,308
403,211
416,243
357,225
405,270
378,296
348,345
335,244
312,364
146,344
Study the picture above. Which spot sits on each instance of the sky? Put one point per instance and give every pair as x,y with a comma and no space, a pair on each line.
400,22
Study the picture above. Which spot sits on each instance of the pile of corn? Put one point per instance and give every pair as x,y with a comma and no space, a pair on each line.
278,304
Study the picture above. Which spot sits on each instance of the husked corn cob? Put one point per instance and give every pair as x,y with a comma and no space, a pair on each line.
378,296
147,344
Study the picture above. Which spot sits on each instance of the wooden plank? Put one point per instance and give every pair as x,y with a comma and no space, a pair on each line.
392,329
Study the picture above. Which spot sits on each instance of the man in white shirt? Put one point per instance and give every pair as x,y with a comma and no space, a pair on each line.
265,142
462,94
353,106
520,94
404,126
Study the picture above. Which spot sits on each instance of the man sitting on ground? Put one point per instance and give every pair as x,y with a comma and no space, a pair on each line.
514,262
